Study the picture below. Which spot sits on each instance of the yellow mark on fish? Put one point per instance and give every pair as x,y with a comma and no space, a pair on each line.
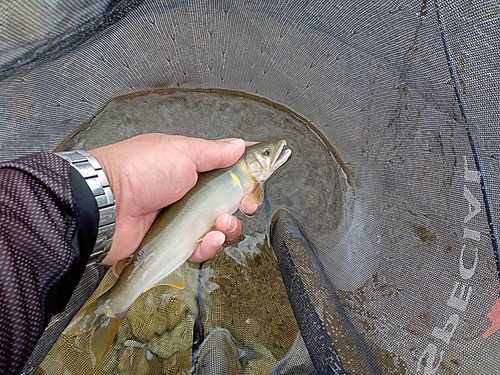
244,167
235,179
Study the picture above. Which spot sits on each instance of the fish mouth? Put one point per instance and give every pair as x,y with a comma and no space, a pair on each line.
283,155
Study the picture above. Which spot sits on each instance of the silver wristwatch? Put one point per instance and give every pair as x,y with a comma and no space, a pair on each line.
92,172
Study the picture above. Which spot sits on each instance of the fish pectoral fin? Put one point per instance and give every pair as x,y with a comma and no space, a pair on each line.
102,338
255,197
257,194
176,278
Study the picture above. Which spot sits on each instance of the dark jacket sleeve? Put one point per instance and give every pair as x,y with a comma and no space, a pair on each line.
48,225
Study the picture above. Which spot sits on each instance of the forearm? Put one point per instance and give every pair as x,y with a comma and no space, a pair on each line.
46,236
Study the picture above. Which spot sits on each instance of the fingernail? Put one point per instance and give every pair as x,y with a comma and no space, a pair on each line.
220,239
231,224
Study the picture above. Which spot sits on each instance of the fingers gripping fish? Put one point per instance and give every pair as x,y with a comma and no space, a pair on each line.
173,238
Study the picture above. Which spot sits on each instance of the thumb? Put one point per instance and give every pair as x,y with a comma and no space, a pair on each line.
208,155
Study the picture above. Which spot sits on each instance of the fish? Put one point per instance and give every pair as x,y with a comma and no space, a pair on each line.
174,236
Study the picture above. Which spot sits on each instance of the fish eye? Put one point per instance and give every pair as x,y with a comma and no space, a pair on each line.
266,152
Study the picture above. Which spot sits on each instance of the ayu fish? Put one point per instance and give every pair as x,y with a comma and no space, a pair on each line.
174,236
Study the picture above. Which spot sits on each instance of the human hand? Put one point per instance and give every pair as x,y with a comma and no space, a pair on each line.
151,171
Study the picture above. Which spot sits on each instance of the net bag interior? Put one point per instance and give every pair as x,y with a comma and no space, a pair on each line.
382,251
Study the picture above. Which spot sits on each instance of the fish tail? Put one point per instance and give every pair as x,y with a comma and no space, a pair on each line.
103,337
104,329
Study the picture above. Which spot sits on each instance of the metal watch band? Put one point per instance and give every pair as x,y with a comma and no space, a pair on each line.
91,170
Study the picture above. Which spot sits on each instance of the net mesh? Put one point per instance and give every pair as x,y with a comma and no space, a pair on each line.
391,225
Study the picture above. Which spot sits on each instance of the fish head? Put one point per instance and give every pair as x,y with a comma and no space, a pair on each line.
265,157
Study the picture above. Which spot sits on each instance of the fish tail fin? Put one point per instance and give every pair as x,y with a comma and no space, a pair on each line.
104,329
103,337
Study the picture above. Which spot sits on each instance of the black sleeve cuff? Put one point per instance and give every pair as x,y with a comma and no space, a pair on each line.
87,218
85,235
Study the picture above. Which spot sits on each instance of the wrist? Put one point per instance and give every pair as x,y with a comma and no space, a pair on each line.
91,170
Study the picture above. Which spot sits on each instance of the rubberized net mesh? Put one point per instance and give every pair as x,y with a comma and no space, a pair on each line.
385,221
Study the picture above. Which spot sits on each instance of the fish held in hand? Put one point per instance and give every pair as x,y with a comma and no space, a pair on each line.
173,238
